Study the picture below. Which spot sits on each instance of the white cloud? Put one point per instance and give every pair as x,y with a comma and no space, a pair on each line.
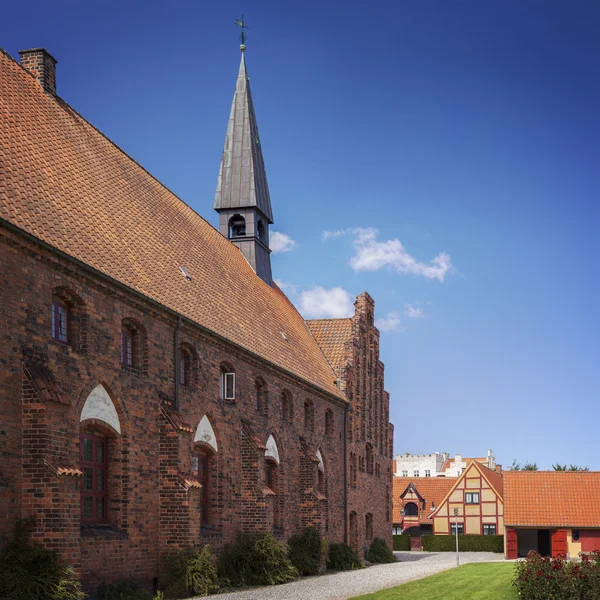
372,255
413,312
280,242
319,303
391,322
333,234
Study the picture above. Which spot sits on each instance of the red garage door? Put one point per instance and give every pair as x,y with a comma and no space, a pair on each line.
590,540
559,542
512,546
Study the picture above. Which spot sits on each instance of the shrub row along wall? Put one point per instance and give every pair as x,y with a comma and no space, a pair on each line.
401,542
466,543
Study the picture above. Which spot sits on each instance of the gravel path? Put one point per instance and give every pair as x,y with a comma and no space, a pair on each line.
339,586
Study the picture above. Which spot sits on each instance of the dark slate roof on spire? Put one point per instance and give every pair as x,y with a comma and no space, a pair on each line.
242,177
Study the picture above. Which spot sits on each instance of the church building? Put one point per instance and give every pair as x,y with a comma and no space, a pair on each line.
157,389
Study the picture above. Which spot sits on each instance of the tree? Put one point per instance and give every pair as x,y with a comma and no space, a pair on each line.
559,467
526,467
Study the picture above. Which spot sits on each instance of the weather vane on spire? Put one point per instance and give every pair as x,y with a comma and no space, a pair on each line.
241,23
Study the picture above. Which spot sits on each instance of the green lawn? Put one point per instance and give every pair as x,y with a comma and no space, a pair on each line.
479,581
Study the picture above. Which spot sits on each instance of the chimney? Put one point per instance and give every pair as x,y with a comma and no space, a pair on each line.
42,66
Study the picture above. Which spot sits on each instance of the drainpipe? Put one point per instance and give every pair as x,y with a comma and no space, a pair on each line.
346,474
177,366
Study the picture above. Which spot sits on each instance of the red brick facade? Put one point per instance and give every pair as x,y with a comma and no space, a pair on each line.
153,503
172,462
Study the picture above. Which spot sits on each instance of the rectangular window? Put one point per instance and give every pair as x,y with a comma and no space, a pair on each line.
60,322
427,473
94,492
404,473
415,473
489,529
228,386
127,355
453,528
472,498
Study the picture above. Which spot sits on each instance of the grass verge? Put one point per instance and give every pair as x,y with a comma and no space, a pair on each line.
478,581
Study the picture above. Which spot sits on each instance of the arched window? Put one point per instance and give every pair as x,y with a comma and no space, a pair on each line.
261,396
98,452
261,231
353,527
353,469
188,360
287,407
369,526
227,382
411,509
273,480
133,345
309,415
328,422
237,226
205,457
60,320
184,367
369,458
68,319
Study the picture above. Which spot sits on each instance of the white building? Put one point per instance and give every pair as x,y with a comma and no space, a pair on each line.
437,464
420,465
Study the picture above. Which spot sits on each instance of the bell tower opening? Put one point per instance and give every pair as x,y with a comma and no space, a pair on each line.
237,227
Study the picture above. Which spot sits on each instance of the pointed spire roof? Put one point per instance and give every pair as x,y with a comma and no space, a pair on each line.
242,177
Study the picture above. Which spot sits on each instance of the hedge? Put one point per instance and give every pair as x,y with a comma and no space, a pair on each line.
466,543
401,542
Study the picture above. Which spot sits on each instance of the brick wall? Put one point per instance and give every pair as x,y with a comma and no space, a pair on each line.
152,504
362,380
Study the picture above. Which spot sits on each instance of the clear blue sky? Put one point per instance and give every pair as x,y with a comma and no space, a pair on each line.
461,127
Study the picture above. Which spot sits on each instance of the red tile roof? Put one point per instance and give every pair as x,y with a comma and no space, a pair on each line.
332,335
432,489
494,478
552,498
65,183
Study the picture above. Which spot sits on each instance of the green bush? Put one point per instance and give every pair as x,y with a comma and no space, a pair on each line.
124,590
255,559
466,543
190,572
304,551
380,553
29,571
401,542
342,558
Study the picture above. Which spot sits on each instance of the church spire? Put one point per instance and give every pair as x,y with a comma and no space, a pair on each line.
242,197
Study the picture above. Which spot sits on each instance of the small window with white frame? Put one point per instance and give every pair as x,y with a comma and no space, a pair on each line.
404,473
489,529
427,473
416,473
227,383
472,498
453,527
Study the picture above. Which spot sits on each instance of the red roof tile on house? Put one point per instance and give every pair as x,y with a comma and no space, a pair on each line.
432,489
65,183
551,499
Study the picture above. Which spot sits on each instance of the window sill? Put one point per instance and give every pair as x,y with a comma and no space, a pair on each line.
209,531
101,531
